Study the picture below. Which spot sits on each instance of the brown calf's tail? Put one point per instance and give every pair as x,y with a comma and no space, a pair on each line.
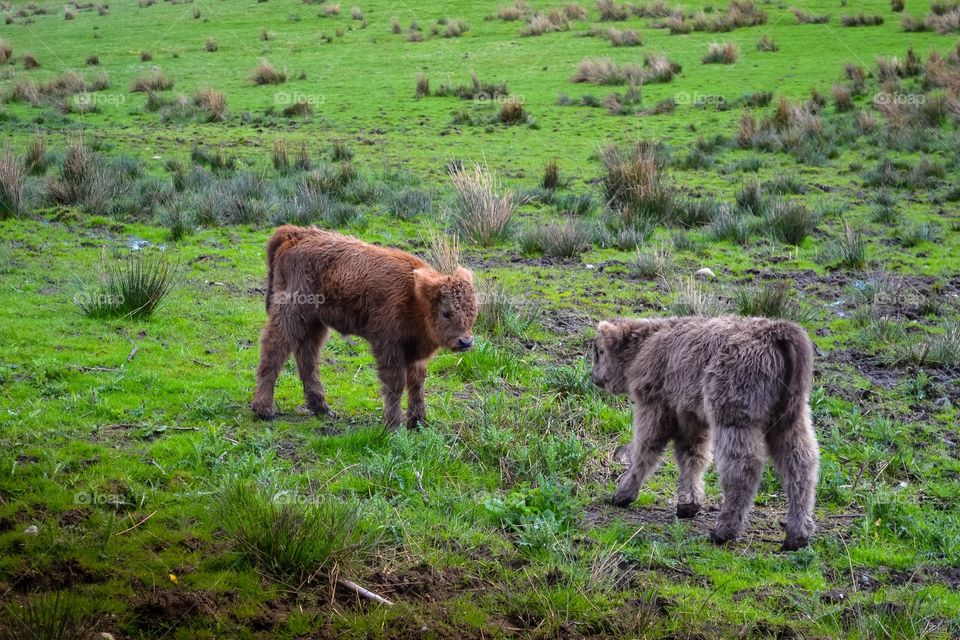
797,350
283,235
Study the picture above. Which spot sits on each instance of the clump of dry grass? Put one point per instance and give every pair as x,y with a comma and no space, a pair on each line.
717,53
265,73
297,109
513,12
624,37
157,81
423,86
512,111
211,102
861,20
30,61
766,43
842,98
6,52
455,28
806,18
356,13
482,212
211,45
331,10
541,24
659,68
606,71
563,240
443,252
610,11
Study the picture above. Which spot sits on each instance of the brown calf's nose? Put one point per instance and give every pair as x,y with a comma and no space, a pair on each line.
464,343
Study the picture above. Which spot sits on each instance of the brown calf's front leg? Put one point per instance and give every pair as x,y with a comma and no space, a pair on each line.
307,354
416,402
275,348
392,379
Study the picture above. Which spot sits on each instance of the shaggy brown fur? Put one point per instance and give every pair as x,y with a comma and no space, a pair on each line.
319,280
743,383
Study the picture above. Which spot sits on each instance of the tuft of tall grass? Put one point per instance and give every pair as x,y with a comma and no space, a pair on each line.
482,212
49,616
133,288
12,180
790,221
656,262
635,183
849,250
296,542
769,300
690,297
565,240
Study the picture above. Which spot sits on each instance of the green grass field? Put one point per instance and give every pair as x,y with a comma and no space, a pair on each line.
139,497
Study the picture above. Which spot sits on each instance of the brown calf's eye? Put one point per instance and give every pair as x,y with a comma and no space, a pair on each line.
446,314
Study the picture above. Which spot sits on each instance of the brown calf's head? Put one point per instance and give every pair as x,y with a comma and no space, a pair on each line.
611,355
453,306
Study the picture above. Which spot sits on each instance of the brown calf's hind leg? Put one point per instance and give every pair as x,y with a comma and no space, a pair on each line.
796,459
307,354
416,403
691,448
651,432
275,347
740,456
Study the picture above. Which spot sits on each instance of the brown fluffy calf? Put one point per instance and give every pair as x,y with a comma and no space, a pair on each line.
319,280
743,383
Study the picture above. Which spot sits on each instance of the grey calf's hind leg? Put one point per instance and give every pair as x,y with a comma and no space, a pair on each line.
307,355
691,448
739,451
651,432
796,459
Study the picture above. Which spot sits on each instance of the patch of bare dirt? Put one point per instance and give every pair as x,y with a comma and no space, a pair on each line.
167,606
73,517
765,525
423,582
61,574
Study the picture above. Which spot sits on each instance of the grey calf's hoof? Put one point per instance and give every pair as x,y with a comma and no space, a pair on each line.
721,537
688,509
792,543
622,502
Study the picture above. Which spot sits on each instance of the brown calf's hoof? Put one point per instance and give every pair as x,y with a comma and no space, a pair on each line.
792,543
317,410
687,509
264,413
415,424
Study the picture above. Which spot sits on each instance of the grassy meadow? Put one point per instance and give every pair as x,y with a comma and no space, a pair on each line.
585,161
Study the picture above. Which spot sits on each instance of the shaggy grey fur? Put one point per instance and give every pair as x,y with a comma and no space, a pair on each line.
742,383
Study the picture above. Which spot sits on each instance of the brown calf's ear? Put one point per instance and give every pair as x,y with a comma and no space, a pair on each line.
464,274
426,284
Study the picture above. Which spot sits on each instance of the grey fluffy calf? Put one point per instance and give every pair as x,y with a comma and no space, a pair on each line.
741,385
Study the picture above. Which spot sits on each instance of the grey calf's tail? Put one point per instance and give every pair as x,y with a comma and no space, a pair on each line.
797,350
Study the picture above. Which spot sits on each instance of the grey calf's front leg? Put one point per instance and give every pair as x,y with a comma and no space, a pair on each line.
691,448
650,437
